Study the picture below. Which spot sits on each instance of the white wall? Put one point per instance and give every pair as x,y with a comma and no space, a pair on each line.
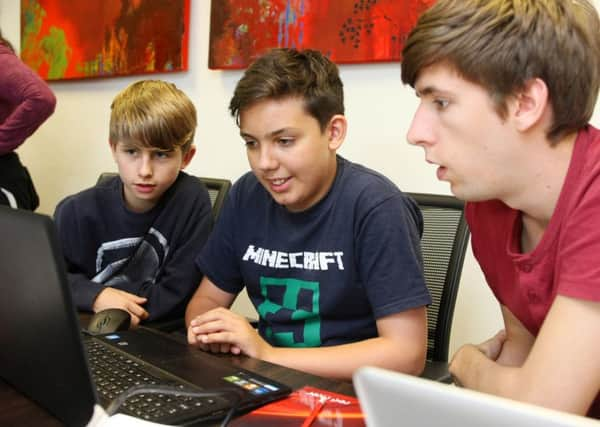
69,151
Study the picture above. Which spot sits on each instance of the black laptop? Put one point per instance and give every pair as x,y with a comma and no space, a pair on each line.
46,357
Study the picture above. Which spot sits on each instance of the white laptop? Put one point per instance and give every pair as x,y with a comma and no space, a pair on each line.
391,399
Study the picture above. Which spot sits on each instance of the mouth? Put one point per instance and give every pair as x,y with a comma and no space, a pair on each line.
441,173
144,188
278,184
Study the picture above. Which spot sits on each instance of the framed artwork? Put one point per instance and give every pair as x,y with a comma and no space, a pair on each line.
66,39
348,31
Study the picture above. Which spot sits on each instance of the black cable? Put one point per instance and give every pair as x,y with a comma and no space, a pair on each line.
140,389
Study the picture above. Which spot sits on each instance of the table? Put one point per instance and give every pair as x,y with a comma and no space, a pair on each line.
18,410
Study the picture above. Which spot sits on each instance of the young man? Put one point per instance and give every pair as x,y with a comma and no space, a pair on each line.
507,89
130,243
328,250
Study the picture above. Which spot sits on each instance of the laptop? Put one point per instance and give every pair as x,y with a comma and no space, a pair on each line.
46,356
391,399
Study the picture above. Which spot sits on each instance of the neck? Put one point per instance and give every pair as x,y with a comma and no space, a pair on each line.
541,185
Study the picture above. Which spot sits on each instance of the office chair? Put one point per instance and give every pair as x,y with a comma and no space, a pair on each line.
217,189
443,244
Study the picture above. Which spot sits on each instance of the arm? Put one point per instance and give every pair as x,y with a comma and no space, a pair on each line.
191,213
401,344
31,100
561,369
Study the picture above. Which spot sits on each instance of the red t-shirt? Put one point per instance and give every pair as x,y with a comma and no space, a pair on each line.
567,259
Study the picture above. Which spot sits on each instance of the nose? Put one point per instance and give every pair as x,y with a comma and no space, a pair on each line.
266,158
420,132
145,169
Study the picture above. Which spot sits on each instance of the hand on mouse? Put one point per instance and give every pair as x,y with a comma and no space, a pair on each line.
116,298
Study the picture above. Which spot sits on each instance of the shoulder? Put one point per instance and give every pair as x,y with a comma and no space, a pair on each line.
191,184
369,188
247,189
361,179
96,198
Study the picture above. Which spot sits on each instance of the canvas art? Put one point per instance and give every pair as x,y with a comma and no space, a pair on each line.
348,31
66,39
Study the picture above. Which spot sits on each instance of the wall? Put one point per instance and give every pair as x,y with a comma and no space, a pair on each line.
70,150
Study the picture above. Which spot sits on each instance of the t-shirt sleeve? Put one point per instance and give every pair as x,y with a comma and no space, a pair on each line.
389,256
578,258
218,260
31,97
83,290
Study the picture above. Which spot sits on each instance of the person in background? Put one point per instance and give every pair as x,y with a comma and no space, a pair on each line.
507,88
130,242
328,250
26,102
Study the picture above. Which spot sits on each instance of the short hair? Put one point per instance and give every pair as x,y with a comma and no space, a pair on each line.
153,113
286,72
502,44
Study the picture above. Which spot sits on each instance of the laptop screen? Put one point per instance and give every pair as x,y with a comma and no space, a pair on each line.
42,355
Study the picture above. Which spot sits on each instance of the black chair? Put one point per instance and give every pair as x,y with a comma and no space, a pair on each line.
217,189
444,243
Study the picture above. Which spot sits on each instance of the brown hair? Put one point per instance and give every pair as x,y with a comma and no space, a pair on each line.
153,113
282,73
501,44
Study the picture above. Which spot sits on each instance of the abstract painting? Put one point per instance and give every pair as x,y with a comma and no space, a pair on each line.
347,31
66,39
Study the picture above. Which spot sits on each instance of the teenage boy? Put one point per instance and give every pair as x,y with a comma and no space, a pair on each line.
130,243
507,89
328,250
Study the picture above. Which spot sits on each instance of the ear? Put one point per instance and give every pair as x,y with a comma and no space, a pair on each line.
187,158
336,131
531,104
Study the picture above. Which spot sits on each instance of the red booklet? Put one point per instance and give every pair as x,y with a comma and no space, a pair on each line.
306,406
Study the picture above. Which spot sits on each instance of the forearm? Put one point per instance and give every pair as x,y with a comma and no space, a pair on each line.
83,290
472,369
198,305
341,361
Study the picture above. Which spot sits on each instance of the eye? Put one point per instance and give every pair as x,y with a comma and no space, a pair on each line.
162,154
250,143
441,104
130,151
286,141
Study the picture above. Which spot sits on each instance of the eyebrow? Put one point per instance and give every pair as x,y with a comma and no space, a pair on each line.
269,135
427,90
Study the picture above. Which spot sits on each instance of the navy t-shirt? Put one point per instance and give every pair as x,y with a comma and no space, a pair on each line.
322,276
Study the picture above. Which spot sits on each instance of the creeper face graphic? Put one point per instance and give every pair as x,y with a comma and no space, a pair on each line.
295,304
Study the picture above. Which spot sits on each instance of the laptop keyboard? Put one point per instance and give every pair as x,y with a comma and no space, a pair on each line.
114,372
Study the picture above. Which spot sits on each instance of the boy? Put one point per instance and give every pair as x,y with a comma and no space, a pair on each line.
507,88
328,250
130,243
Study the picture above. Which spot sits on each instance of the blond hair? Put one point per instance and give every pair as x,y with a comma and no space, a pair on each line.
153,113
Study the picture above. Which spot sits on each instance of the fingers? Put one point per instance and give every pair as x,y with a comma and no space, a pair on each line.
136,311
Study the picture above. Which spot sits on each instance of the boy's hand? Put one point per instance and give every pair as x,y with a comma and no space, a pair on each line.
222,331
116,298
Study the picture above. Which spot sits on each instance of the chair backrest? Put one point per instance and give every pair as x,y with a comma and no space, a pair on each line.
217,189
444,243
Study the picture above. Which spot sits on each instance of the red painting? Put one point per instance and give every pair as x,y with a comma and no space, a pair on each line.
348,31
72,39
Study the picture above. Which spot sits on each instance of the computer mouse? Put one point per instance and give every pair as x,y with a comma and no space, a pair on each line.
109,320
